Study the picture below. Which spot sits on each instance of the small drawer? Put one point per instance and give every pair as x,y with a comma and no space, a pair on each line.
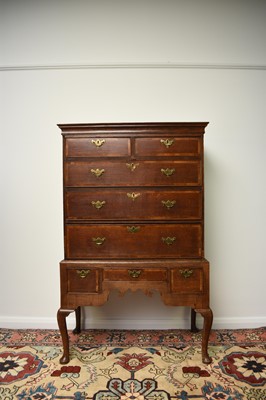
187,280
168,146
143,173
97,147
83,280
135,274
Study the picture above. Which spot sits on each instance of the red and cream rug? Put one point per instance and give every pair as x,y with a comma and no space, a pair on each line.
133,365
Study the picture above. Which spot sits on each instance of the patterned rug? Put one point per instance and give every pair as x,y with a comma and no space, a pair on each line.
133,365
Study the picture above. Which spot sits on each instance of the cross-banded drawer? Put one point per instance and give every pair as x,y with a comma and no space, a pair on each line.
135,274
133,241
83,280
168,147
187,279
137,204
97,147
141,173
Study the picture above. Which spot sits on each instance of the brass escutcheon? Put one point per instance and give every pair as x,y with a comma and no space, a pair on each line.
97,172
82,273
98,142
134,273
98,204
167,142
168,240
186,273
132,166
168,203
133,229
133,196
98,240
168,171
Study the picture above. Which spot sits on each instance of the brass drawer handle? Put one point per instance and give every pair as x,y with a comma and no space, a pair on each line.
186,273
98,142
82,273
167,142
134,273
168,240
98,204
97,172
133,229
132,166
168,171
98,240
168,203
133,196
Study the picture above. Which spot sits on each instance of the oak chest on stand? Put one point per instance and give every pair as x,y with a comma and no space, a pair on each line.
134,217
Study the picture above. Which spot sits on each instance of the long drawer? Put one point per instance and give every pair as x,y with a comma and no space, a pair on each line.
142,173
125,241
137,204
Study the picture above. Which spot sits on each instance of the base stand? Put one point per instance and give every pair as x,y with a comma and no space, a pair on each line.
206,314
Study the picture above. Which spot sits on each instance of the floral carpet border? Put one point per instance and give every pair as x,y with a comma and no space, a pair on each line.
115,337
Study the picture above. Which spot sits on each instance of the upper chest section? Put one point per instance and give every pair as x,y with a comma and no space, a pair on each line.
133,141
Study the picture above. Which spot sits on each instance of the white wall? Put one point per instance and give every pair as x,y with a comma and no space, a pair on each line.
193,60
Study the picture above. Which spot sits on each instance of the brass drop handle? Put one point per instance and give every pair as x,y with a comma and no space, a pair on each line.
133,196
168,240
168,171
133,229
132,166
134,273
168,203
98,240
98,204
97,172
186,273
98,142
167,142
82,273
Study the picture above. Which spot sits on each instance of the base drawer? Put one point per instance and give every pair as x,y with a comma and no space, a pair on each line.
187,280
135,274
83,280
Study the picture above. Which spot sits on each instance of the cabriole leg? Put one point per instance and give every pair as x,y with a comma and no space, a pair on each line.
208,316
61,319
194,328
77,330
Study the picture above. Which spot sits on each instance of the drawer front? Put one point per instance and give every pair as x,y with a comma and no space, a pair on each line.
133,241
83,280
142,173
135,274
171,146
187,280
121,204
97,147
